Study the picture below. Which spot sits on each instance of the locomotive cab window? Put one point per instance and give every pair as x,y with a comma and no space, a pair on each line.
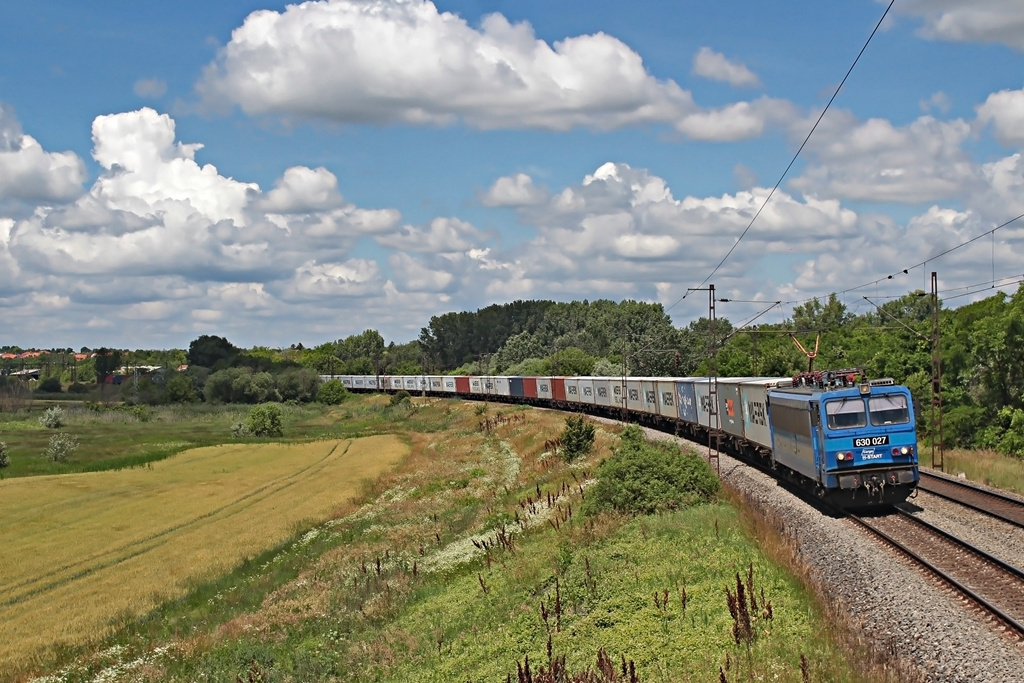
846,414
889,410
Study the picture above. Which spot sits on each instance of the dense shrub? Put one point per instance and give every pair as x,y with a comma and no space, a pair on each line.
179,388
298,384
240,385
401,396
239,430
78,388
577,438
643,478
61,447
332,392
5,459
50,385
53,418
265,420
139,412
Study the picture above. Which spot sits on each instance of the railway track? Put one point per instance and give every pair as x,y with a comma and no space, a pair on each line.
996,587
997,505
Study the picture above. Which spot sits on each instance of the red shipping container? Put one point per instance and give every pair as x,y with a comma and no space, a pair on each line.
462,385
530,387
558,388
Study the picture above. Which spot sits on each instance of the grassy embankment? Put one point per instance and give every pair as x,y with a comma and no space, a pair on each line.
987,467
419,583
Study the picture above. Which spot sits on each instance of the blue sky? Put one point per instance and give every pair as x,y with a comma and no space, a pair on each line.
280,174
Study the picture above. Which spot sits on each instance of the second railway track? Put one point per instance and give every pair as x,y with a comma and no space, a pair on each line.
1006,508
995,586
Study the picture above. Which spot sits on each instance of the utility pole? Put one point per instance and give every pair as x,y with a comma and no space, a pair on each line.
936,413
714,417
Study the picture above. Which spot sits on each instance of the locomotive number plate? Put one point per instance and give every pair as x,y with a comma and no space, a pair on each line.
871,441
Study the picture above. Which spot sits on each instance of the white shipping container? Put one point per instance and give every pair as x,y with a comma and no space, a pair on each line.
544,388
634,395
617,389
572,390
476,385
587,390
667,398
703,397
602,391
754,397
449,383
649,394
501,386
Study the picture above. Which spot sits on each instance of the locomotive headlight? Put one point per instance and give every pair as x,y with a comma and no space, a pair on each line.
906,450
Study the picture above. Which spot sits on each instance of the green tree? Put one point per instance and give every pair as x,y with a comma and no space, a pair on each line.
516,349
577,438
332,392
179,388
107,361
265,420
60,447
50,385
298,384
571,361
209,350
814,316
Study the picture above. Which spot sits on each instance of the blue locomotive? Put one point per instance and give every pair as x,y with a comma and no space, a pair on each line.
849,440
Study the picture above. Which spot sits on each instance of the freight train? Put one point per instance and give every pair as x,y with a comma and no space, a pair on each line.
849,440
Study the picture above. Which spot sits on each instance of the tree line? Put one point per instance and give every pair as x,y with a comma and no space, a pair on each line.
982,352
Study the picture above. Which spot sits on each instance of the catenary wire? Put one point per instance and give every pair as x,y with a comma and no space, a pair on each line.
792,161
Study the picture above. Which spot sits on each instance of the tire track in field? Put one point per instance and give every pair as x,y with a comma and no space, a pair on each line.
84,567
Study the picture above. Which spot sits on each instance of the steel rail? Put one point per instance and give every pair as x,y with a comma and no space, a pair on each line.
1013,508
1012,623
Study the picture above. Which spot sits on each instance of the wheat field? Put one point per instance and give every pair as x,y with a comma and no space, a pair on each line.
81,550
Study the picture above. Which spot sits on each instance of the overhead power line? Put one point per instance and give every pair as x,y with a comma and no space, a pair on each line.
792,161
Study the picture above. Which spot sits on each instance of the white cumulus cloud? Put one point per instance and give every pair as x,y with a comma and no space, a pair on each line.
874,160
986,21
1005,111
29,173
714,65
384,61
515,190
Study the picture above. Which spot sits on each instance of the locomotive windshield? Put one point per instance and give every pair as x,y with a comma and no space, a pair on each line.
846,414
889,410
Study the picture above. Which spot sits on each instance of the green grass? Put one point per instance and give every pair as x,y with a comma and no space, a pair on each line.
319,609
984,466
447,628
316,608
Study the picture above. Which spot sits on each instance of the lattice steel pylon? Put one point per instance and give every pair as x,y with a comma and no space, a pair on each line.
936,412
714,418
